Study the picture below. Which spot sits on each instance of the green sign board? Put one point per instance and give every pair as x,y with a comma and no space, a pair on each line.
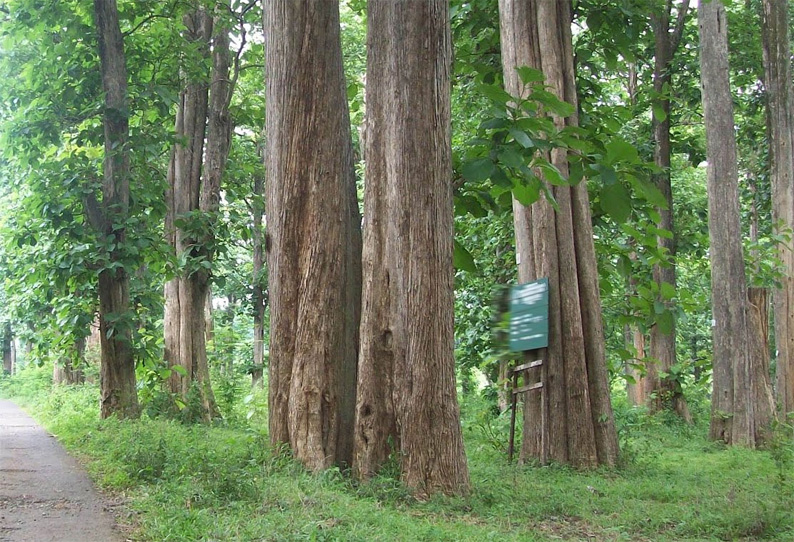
529,316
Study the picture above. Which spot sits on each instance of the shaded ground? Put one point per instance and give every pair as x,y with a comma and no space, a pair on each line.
45,496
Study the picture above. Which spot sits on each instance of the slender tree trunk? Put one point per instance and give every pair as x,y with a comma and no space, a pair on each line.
117,374
313,226
664,392
196,171
762,398
258,280
407,374
636,387
8,341
65,371
732,408
209,319
503,385
780,115
559,245
758,322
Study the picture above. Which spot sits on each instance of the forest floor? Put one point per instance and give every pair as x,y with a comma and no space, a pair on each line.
189,482
44,494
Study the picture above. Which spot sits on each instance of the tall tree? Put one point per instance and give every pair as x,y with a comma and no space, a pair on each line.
313,222
731,406
258,280
407,391
579,428
119,395
197,164
667,32
780,122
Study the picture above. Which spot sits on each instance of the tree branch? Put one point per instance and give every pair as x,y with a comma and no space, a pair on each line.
678,31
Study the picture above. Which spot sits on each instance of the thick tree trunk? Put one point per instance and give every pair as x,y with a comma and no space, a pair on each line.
258,280
780,115
314,257
580,428
408,397
195,175
732,408
117,374
664,392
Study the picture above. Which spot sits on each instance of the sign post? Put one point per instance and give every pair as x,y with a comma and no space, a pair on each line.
529,331
529,316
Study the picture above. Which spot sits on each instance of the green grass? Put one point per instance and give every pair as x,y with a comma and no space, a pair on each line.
199,483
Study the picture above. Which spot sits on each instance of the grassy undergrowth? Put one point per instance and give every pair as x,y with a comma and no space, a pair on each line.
198,483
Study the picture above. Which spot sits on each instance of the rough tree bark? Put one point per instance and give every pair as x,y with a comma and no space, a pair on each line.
117,373
636,387
761,381
731,408
195,173
314,253
664,392
780,123
580,428
407,393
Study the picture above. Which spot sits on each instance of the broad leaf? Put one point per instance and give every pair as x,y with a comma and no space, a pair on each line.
619,150
616,202
527,194
521,138
479,170
463,259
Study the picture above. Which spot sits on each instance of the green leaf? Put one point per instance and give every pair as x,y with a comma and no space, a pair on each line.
552,103
510,158
521,138
352,90
616,202
659,113
666,322
466,204
552,174
496,94
494,124
479,170
462,258
501,179
527,194
608,175
624,266
530,75
652,194
178,369
619,150
667,290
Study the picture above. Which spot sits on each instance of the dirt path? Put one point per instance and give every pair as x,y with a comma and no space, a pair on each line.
44,494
